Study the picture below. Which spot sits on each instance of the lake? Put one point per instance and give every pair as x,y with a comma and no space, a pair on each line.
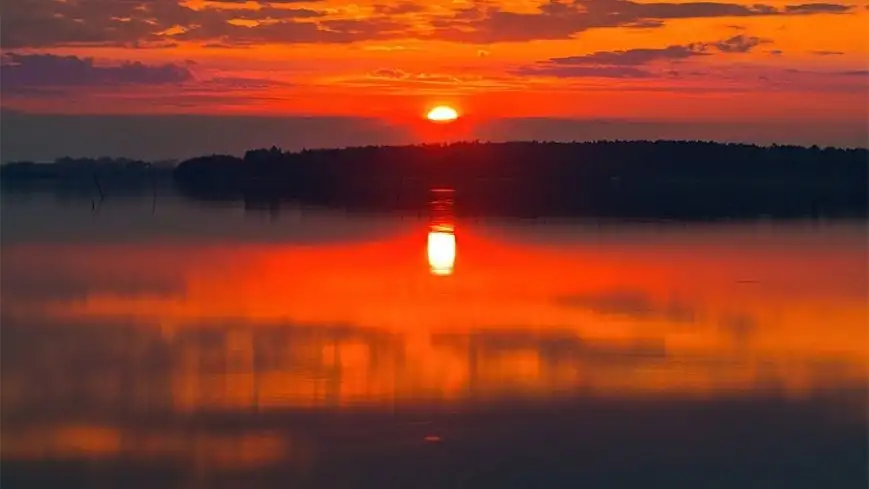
171,343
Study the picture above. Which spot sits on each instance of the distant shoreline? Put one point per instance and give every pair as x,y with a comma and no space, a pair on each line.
607,179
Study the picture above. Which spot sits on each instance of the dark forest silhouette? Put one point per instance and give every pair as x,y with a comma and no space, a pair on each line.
661,179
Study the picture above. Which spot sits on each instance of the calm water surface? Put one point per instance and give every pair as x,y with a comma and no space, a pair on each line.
202,345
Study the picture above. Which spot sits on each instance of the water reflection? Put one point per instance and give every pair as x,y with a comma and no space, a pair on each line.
259,325
441,246
441,252
239,356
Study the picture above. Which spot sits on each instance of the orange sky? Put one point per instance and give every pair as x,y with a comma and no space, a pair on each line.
720,61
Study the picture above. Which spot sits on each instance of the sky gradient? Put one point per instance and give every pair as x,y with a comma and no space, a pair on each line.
775,65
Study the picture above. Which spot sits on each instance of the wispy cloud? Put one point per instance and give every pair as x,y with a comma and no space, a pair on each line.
626,63
633,57
393,78
817,8
567,71
738,44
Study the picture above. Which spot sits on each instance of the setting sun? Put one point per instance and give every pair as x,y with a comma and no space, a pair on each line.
442,113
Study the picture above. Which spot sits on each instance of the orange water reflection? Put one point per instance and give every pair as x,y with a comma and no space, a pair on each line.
441,252
273,326
119,347
76,441
441,247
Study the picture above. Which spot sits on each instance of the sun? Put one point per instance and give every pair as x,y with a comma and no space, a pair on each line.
442,113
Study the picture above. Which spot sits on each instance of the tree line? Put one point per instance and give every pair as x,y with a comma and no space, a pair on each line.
659,179
663,179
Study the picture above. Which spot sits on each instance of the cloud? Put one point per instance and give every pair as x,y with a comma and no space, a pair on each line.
223,83
692,10
438,78
584,71
739,44
392,78
399,9
37,70
484,23
828,53
266,13
43,23
854,73
269,1
624,63
396,75
47,23
390,73
149,23
632,57
41,78
645,24
220,45
817,8
340,31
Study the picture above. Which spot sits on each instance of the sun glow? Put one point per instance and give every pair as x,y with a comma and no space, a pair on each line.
442,113
441,252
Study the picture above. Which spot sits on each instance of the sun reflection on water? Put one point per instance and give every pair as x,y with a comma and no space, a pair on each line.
441,252
442,236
